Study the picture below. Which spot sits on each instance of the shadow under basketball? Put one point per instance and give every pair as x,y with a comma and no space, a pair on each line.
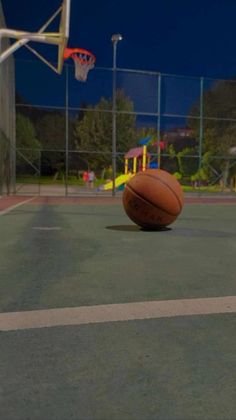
135,228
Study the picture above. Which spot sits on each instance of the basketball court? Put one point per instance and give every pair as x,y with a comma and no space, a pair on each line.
100,319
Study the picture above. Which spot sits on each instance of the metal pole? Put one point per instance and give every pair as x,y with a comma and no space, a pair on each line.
201,122
13,134
67,130
114,121
159,123
115,39
39,163
13,150
1,140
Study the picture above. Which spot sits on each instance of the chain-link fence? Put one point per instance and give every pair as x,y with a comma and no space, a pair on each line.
64,129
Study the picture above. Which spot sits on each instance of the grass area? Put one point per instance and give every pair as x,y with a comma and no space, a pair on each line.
48,180
208,188
72,180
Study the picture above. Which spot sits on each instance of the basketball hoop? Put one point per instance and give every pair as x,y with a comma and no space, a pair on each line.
84,61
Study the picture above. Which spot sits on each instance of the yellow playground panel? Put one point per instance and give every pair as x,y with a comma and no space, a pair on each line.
120,180
140,159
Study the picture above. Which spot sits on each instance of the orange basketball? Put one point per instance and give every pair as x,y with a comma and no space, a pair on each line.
153,198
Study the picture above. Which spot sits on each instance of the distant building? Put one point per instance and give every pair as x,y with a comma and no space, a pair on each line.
179,137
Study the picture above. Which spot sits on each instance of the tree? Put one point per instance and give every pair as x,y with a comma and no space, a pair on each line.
219,114
51,131
219,125
93,133
26,140
188,164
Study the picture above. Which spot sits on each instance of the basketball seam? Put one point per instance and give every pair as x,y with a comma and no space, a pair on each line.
163,182
150,202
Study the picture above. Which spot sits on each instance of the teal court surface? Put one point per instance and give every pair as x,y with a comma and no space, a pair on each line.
102,320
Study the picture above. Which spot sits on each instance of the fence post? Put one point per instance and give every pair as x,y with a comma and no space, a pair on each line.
39,163
201,122
67,130
159,122
13,165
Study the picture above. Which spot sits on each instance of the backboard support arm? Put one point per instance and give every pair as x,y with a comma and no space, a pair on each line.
53,38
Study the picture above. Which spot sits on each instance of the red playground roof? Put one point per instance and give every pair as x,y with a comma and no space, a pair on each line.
135,152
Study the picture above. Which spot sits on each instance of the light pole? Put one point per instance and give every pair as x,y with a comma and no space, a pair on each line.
67,131
115,39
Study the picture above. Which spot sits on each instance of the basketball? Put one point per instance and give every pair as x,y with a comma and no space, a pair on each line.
153,199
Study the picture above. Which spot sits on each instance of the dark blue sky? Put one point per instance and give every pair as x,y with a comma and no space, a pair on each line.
190,37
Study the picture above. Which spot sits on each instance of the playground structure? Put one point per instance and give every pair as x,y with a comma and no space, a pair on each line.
140,159
136,159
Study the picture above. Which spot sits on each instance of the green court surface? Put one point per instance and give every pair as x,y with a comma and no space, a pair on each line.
175,368
95,255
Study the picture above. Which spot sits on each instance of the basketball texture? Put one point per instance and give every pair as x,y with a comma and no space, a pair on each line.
153,198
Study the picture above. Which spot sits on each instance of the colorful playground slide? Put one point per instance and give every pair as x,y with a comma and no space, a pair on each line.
122,179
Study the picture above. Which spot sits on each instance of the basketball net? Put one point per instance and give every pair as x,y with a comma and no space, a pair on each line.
82,66
84,61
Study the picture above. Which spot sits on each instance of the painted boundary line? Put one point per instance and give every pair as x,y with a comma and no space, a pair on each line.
98,199
9,209
102,199
12,321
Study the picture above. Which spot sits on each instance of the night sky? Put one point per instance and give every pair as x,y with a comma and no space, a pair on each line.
195,38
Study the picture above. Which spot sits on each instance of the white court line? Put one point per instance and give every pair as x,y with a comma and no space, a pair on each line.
9,209
46,228
11,321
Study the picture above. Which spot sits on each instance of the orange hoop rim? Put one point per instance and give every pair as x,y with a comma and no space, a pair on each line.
75,54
